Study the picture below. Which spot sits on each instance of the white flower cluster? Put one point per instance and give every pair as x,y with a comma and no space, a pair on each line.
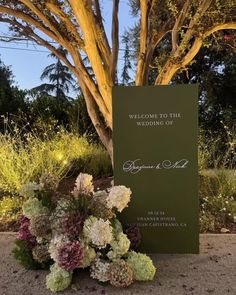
58,279
82,230
98,231
100,270
89,255
33,207
56,242
120,246
83,184
119,197
28,190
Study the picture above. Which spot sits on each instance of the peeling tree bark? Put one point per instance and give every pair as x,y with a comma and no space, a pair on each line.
84,34
115,40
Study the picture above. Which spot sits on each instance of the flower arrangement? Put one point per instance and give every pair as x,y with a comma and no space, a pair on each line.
79,230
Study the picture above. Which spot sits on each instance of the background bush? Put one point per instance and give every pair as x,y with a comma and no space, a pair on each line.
24,157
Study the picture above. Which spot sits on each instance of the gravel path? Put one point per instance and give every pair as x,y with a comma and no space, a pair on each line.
211,272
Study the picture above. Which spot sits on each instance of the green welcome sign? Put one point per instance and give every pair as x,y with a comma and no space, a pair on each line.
155,154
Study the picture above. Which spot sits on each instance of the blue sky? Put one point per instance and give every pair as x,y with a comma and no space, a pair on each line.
27,66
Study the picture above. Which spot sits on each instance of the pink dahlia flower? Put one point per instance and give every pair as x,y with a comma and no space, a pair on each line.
70,255
24,233
73,225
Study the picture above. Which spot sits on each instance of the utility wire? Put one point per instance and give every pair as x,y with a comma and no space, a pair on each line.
25,49
37,50
29,42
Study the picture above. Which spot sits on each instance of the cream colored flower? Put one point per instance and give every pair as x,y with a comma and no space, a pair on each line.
100,270
119,197
83,184
56,242
120,246
98,231
28,190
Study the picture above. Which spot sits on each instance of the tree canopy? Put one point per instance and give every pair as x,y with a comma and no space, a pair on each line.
61,80
11,98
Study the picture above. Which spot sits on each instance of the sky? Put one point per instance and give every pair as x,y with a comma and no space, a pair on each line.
27,66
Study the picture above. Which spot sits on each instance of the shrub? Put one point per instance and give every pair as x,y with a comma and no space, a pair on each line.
217,199
10,209
24,255
208,222
25,158
217,151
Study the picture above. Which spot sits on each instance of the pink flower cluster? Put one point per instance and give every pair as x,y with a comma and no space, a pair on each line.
73,224
70,255
24,233
134,235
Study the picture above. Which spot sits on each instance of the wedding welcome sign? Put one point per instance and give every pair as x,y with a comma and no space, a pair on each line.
155,154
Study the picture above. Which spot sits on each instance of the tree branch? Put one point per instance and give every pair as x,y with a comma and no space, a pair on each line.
107,49
178,24
102,130
145,8
170,69
30,34
85,17
28,19
219,27
85,78
173,64
191,28
79,70
55,9
115,39
32,7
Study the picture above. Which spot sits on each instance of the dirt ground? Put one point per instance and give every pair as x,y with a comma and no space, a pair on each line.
211,272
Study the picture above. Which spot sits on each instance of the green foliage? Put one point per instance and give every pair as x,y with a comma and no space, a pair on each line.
217,199
208,222
11,98
80,121
217,150
25,158
60,78
95,162
23,254
10,209
46,110
127,67
46,199
172,7
39,111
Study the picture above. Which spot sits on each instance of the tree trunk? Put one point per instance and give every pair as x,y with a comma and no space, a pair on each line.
104,132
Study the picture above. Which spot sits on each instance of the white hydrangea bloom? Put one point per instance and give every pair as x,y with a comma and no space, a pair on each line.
89,256
117,227
59,212
56,242
120,246
98,231
58,279
83,184
33,207
119,197
28,190
39,240
100,194
100,270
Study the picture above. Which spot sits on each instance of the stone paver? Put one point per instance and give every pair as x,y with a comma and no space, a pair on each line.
211,272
